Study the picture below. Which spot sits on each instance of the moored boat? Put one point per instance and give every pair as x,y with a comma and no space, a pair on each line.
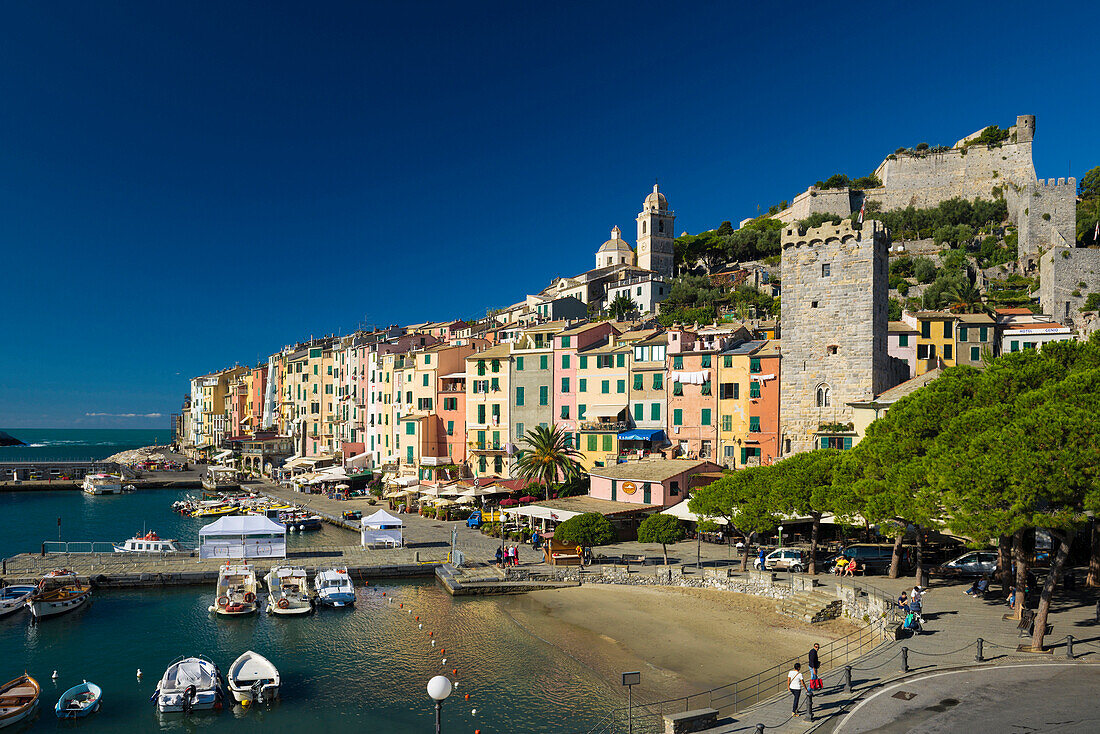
148,543
79,701
58,592
102,484
189,684
334,587
220,479
18,700
297,520
288,591
236,594
253,679
14,598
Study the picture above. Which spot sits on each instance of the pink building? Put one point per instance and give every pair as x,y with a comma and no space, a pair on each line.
692,398
656,482
901,342
564,389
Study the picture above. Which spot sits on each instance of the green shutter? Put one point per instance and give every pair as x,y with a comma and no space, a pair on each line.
678,362
962,333
658,380
620,386
565,341
582,385
647,493
605,386
544,361
410,428
620,360
704,417
754,364
754,389
677,388
614,491
591,441
639,411
754,424
727,361
519,396
706,388
519,364
824,442
638,381
706,360
565,361
744,456
903,340
847,442
607,446
678,417
655,412
580,411
565,384
544,395
450,428
584,362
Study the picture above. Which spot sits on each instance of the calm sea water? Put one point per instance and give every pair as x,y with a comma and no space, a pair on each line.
343,670
78,444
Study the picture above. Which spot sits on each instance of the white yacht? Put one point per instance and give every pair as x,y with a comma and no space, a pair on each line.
189,684
288,591
149,543
102,484
236,594
334,587
253,679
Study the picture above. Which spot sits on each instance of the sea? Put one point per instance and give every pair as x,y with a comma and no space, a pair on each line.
358,669
79,444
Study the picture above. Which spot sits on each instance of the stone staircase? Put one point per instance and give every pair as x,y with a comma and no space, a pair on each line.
811,606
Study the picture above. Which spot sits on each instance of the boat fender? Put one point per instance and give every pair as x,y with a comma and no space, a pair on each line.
249,597
223,601
282,604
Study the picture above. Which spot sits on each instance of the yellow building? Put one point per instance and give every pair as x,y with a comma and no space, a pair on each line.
935,338
488,387
603,396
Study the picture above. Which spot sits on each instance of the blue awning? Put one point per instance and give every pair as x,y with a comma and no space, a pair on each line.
643,434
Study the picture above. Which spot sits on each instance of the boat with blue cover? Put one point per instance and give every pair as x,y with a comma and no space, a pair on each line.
79,701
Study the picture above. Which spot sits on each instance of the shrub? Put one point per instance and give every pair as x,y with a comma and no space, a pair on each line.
924,270
1092,303
922,146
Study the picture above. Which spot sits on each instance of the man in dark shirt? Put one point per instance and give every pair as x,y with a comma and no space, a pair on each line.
812,662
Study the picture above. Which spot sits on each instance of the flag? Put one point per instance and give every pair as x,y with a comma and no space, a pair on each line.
861,208
553,516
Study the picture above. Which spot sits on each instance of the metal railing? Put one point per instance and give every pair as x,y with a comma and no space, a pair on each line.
77,546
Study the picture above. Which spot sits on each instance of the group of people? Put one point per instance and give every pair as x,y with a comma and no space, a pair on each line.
845,567
797,682
508,555
911,604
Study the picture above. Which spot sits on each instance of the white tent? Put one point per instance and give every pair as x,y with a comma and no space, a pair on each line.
681,511
382,528
243,536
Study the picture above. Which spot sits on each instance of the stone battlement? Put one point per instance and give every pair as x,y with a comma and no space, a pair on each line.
1051,183
829,233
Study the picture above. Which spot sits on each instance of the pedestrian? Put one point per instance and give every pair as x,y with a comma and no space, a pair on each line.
795,685
500,557
813,663
915,601
760,560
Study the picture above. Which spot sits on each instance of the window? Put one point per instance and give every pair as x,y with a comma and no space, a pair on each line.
813,304
677,417
725,391
544,395
580,412
824,270
754,424
947,329
620,359
638,381
519,431
519,364
565,361
836,442
754,389
727,361
727,423
754,365
678,362
926,329
749,453
565,385
583,385
481,464
496,365
705,390
544,361
427,359
823,396
620,386
962,333
947,351
975,354
607,442
565,341
584,362
565,411
410,428
982,333
605,386
903,340
639,411
519,396
832,349
496,384
498,465
704,417
592,441
658,353
480,367
450,428
677,388
1014,346
481,414
450,403
425,380
496,412
658,381
655,412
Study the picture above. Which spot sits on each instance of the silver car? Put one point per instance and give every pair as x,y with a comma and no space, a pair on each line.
783,559
974,563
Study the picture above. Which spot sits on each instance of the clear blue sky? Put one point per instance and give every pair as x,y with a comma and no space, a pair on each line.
188,185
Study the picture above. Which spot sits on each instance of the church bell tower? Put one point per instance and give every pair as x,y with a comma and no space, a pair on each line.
655,234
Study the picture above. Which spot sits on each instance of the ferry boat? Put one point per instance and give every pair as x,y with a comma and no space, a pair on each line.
148,543
14,598
189,684
58,592
102,484
334,587
252,678
220,479
18,700
79,701
288,591
236,595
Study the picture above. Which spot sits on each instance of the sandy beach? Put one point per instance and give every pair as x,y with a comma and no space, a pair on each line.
682,639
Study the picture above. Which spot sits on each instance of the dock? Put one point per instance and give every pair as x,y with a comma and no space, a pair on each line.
485,580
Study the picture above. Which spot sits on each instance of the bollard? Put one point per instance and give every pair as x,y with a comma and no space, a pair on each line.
978,657
905,659
1069,647
847,678
759,729
1098,612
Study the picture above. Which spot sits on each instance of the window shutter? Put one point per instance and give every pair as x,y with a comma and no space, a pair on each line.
824,442
847,442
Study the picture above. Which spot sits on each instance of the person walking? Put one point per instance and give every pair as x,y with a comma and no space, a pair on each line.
813,662
795,684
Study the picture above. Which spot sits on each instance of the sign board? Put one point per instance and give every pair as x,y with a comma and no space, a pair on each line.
632,679
630,487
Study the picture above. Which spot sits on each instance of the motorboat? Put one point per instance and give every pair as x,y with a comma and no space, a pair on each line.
297,520
57,593
253,679
149,543
220,479
14,598
79,701
189,684
102,484
288,591
236,595
334,587
18,700
219,510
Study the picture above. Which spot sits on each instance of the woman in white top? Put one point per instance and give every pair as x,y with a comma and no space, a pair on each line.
795,683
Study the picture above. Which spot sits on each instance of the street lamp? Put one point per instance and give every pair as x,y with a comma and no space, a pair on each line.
439,687
780,536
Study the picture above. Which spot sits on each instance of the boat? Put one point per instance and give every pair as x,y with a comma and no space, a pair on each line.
59,592
334,587
102,484
220,479
253,679
79,701
18,700
14,598
149,543
296,520
189,684
288,591
219,510
236,595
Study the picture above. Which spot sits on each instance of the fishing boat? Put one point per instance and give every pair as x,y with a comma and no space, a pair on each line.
57,593
102,484
148,543
288,591
253,679
236,595
14,598
334,587
18,700
79,701
189,684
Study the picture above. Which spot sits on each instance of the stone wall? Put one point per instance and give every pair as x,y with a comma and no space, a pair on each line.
814,201
1045,213
1062,270
835,325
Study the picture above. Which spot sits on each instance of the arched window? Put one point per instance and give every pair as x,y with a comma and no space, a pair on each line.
660,225
823,396
643,227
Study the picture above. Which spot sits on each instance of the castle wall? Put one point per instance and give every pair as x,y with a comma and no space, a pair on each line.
835,325
1062,270
1046,216
813,201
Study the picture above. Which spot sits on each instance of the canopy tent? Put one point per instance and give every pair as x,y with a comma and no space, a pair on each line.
681,511
242,536
643,434
480,491
605,411
542,513
219,469
381,528
359,461
445,491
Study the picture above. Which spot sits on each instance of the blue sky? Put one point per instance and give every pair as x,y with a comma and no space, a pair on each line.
184,186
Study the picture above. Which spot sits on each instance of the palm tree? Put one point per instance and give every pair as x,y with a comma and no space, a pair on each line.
548,456
621,307
963,297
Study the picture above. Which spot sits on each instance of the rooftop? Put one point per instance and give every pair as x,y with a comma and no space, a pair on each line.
607,508
897,327
648,470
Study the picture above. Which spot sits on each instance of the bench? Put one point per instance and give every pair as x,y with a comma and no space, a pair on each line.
1026,626
638,558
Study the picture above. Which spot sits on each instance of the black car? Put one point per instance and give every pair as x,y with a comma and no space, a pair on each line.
874,559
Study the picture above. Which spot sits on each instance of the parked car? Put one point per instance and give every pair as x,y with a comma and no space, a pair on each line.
873,558
968,565
784,559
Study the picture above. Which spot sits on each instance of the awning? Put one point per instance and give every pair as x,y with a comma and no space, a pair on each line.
454,376
296,463
242,525
605,411
681,511
643,434
359,461
541,513
223,455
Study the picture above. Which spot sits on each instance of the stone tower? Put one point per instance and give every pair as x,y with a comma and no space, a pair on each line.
1025,128
834,349
655,234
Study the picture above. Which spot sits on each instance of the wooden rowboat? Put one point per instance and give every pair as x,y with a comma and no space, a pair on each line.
18,700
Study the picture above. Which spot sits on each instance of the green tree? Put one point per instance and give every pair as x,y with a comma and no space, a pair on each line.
663,529
743,499
924,270
548,457
962,297
622,307
1089,186
803,485
586,530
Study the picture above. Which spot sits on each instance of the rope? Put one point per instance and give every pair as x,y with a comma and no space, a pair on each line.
875,667
943,654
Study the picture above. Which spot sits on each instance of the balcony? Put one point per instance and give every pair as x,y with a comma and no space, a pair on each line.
605,426
487,447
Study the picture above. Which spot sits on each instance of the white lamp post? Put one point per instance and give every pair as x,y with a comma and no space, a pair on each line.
439,687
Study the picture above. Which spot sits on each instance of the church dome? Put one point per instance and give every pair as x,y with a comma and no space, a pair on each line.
616,243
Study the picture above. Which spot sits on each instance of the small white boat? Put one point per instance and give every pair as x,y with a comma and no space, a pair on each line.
288,591
334,587
18,700
189,684
148,543
102,484
79,701
14,598
236,594
58,592
253,679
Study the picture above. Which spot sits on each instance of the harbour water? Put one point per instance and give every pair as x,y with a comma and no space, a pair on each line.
80,444
359,669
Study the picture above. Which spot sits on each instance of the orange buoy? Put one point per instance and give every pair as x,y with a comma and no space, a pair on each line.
444,651
467,696
402,604
430,634
454,671
418,618
383,593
